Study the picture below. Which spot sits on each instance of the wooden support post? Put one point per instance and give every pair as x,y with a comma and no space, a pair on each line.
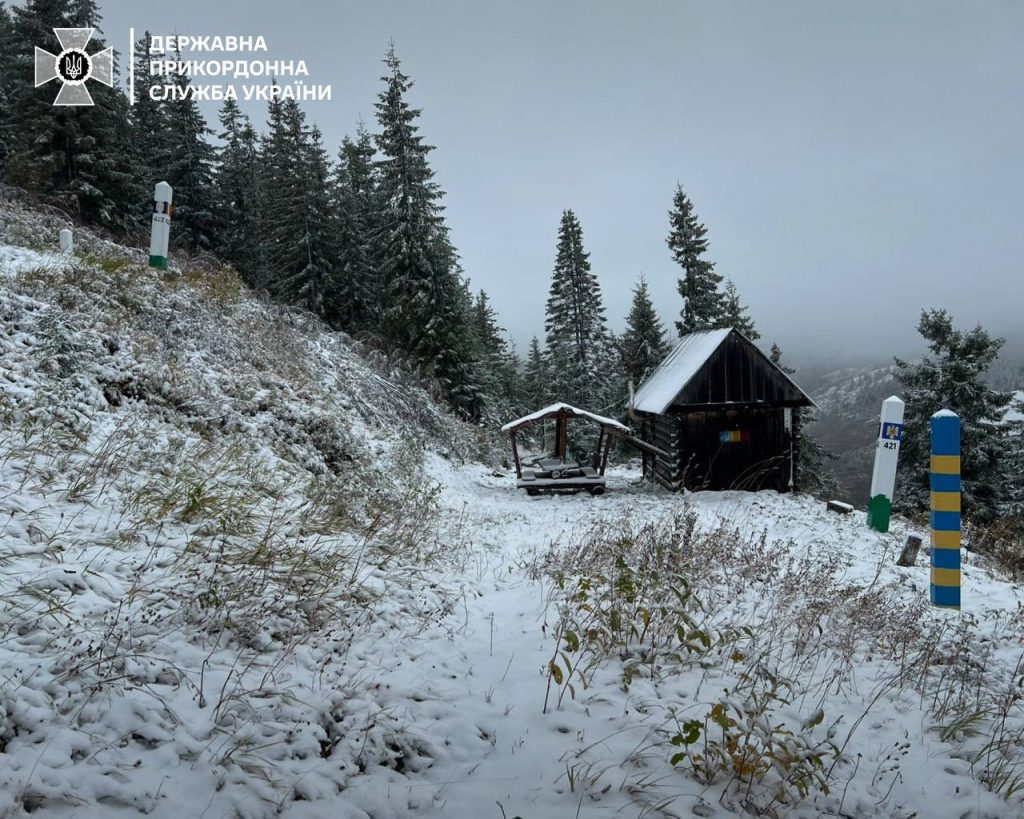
597,451
604,458
561,436
945,496
515,454
887,451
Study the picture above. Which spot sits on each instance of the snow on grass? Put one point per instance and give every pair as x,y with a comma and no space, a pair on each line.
245,572
14,260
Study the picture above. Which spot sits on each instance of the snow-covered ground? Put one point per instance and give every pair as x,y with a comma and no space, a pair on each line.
247,569
14,260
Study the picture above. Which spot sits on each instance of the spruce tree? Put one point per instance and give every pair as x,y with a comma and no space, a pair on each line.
150,128
497,364
952,377
6,82
411,214
735,314
536,383
703,304
582,357
356,295
425,304
643,342
73,155
189,170
238,194
303,253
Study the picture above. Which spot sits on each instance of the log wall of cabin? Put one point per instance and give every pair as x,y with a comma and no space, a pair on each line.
700,460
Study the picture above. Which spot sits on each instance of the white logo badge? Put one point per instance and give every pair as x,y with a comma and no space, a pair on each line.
74,66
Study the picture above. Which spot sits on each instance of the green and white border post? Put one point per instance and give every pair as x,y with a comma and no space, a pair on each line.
161,231
887,452
945,493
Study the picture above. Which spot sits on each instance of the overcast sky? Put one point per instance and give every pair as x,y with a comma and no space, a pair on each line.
853,162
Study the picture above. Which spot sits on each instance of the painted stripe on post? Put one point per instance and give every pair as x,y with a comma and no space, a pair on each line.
946,540
946,558
946,501
946,521
946,596
946,465
945,510
945,483
945,577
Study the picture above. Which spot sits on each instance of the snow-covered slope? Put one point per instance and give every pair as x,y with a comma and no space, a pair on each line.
243,573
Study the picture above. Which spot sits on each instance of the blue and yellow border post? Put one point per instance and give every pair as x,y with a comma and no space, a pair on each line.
945,495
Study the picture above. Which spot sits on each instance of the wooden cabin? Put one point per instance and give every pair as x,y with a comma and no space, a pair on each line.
725,414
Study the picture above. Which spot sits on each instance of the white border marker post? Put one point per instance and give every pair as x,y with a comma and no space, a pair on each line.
887,451
67,242
161,231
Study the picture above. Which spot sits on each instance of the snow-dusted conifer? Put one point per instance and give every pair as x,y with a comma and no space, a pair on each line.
425,305
735,313
951,377
356,300
577,336
73,154
536,386
703,303
189,170
643,342
238,192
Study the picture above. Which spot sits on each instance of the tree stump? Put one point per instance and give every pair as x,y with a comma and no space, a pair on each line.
908,557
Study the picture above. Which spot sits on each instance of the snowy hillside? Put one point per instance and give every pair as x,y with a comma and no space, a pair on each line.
248,570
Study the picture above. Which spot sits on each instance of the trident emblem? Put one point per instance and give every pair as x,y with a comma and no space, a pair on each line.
74,66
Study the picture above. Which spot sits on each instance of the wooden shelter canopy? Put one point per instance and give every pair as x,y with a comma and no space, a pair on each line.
555,410
558,472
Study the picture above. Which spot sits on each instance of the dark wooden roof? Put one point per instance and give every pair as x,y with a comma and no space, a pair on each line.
717,368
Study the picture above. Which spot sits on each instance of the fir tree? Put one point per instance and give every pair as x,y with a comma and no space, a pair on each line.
304,256
425,304
735,314
189,170
6,82
151,151
951,377
238,194
497,364
73,155
575,321
356,300
643,342
703,304
536,382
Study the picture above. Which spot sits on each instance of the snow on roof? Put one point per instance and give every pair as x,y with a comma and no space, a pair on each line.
675,372
551,410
